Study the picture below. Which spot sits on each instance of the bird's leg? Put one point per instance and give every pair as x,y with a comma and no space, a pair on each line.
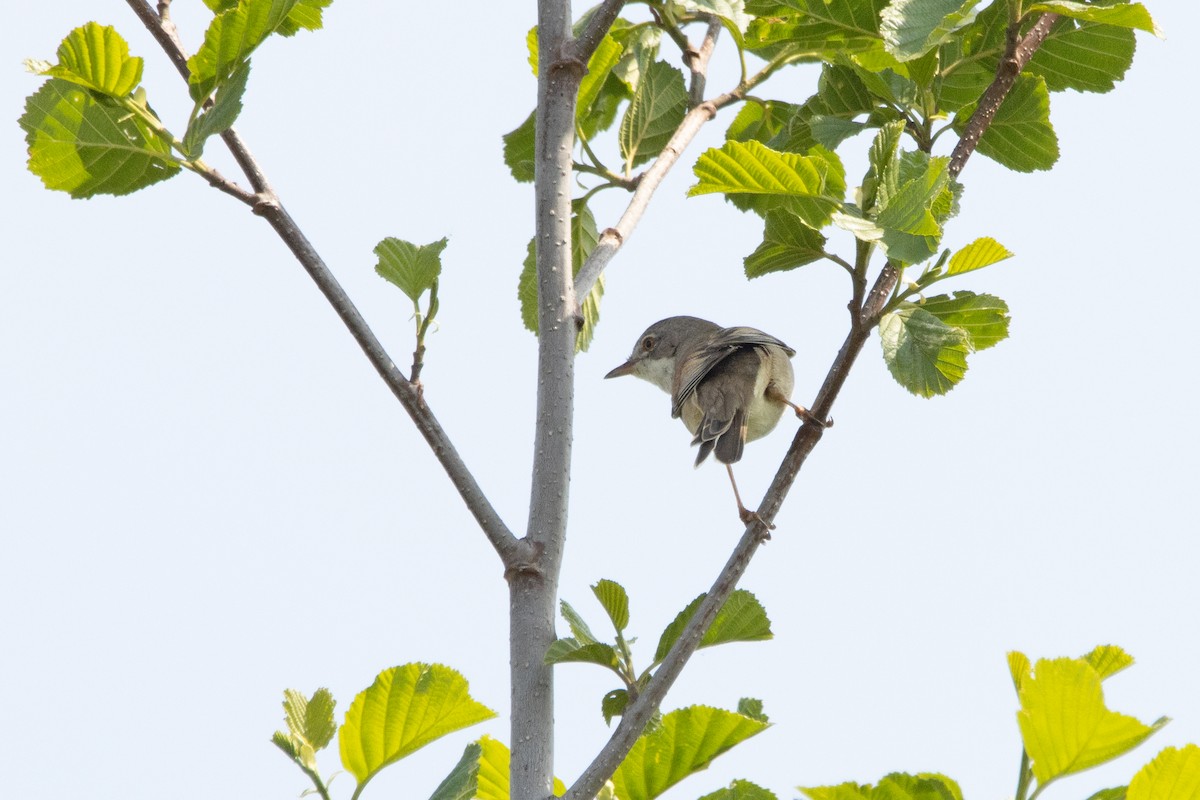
803,413
747,516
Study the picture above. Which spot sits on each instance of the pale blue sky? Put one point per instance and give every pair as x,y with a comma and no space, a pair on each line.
207,495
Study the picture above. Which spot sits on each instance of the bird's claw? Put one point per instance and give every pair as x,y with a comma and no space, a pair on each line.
749,517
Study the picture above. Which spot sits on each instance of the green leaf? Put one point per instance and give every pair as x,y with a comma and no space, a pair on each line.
600,92
896,786
911,28
909,216
787,243
732,11
759,120
657,108
1020,668
752,707
285,743
406,708
613,704
1108,660
518,149
310,726
982,317
231,37
494,772
306,15
86,144
1122,15
843,92
1083,56
982,252
463,780
1174,774
311,718
741,790
741,619
830,131
579,629
607,54
1114,793
221,116
96,57
413,268
569,649
686,741
615,600
1020,136
821,29
811,187
924,354
883,174
1065,724
584,237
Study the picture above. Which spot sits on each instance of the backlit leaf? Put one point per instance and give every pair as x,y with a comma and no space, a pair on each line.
686,741
924,354
657,108
97,57
1065,725
86,144
406,708
411,267
811,186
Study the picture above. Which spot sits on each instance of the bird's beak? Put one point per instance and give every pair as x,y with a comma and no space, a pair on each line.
624,369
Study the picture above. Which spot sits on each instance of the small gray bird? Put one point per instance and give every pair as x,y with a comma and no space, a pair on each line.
730,385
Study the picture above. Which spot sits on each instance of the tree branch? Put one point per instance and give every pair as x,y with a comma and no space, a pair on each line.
512,552
1017,53
533,593
581,49
697,62
165,33
863,321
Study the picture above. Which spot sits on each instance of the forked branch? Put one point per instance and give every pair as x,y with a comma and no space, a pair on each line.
513,552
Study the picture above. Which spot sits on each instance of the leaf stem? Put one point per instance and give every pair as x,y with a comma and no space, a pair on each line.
1023,776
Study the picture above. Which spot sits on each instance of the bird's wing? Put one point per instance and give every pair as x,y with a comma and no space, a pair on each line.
695,365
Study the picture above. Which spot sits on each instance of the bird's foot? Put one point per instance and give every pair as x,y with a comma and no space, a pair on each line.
806,415
749,517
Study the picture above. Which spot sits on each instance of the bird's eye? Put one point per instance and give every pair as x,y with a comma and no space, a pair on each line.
648,343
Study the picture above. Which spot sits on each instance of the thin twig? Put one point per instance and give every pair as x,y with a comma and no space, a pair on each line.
581,49
640,711
513,552
648,182
164,32
510,550
613,238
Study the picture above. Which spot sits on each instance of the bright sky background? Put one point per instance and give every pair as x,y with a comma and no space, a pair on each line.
207,495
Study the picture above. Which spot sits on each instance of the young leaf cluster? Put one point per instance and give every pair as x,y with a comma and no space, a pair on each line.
741,619
406,708
414,269
90,128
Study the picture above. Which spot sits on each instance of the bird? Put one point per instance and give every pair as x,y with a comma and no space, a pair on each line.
728,385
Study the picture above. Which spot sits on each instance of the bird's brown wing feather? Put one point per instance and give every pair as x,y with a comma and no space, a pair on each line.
694,366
